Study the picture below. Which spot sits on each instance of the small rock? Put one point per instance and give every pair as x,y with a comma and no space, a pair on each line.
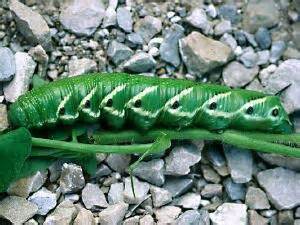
3,118
223,27
72,197
132,221
84,217
263,57
141,189
31,25
38,54
7,64
256,199
113,214
283,161
64,213
16,209
229,40
82,17
211,190
215,156
291,53
110,18
263,38
255,85
235,191
118,52
118,162
198,19
250,38
102,171
160,196
31,222
287,180
147,220
249,58
140,62
93,197
277,50
240,37
260,13
152,171
124,19
240,163
115,194
286,217
71,179
181,158
201,54
44,199
230,213
25,67
167,214
229,12
178,186
135,39
169,48
236,74
209,174
189,201
296,34
256,219
24,186
193,217
81,66
211,11
148,27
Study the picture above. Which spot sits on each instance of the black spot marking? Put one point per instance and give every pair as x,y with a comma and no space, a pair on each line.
213,106
138,103
62,111
175,105
109,103
87,104
250,110
275,112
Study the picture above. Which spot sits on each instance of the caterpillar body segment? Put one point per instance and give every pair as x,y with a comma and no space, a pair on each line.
121,99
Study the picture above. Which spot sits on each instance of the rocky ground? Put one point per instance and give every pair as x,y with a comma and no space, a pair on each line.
252,45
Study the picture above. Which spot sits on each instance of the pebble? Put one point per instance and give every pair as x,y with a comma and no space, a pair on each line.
215,156
118,52
31,25
64,213
71,179
261,13
81,66
118,162
230,213
211,11
84,217
223,27
286,217
263,38
263,57
287,180
256,199
113,214
178,186
147,220
31,222
72,197
14,205
283,161
251,39
140,62
25,186
256,219
82,17
169,51
240,163
296,34
132,221
198,19
193,217
3,118
189,201
202,54
209,174
235,191
277,50
102,171
44,199
25,67
181,158
229,12
124,19
7,64
110,18
211,190
148,27
141,190
236,74
92,197
151,171
160,196
135,39
115,194
249,58
167,214
229,40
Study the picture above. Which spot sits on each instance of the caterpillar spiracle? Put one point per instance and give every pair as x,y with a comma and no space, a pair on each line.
119,100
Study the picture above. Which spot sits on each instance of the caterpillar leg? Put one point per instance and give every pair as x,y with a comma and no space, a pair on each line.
160,144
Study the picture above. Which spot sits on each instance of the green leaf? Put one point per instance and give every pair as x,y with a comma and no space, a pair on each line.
15,148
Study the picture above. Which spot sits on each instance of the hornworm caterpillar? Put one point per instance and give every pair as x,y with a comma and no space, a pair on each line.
120,100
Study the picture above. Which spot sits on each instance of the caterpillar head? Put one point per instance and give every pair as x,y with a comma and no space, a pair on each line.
266,114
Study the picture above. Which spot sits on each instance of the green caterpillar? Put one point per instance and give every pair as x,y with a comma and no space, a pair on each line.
121,100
